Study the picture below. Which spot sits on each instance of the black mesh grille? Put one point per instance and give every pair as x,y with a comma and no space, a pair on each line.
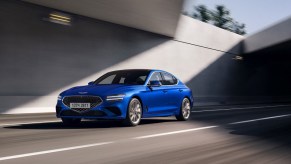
93,100
88,113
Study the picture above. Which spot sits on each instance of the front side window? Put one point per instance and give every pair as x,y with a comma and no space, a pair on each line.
169,79
128,77
108,80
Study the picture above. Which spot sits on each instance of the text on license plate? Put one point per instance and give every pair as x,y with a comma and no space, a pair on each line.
79,105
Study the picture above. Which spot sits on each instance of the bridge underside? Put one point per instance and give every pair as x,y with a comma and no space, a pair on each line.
157,16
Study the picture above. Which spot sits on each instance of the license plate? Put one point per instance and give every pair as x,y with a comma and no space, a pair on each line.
79,105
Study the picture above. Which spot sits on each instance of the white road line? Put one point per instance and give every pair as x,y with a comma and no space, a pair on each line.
53,151
208,127
259,119
210,110
174,132
26,123
239,108
140,137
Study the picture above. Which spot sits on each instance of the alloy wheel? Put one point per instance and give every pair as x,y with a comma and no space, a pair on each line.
186,108
135,111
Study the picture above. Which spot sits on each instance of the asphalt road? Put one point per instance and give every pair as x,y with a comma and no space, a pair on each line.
216,135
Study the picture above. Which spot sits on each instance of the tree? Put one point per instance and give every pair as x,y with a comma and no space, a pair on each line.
202,13
219,17
239,28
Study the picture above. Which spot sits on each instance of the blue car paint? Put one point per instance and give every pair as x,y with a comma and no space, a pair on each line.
156,101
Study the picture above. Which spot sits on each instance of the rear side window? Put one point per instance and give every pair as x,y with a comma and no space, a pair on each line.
169,79
156,77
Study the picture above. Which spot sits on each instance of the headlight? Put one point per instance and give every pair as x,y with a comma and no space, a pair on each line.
118,97
59,97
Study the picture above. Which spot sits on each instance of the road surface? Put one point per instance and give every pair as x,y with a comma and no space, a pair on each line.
212,135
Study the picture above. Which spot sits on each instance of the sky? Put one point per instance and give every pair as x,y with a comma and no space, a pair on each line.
256,14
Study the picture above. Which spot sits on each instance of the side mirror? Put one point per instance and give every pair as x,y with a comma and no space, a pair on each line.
155,83
91,83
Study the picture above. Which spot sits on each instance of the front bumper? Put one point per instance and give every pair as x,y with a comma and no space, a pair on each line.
106,110
90,114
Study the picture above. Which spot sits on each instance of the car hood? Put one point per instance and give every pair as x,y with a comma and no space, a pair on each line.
99,90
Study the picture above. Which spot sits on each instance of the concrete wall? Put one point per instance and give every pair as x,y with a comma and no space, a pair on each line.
39,59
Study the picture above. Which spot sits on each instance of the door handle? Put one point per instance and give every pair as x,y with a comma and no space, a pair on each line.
180,90
165,91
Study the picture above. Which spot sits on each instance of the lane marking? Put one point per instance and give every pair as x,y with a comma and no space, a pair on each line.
174,132
208,127
140,137
26,123
259,119
53,151
239,108
210,110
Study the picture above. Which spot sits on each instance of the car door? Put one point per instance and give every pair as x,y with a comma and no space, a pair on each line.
173,91
156,99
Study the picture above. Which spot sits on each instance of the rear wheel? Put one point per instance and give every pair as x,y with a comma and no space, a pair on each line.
185,110
134,112
71,121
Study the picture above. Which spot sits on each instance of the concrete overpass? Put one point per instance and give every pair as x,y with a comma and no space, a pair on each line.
157,16
271,37
39,59
267,56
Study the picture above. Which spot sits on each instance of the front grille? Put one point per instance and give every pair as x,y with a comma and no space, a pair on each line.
93,100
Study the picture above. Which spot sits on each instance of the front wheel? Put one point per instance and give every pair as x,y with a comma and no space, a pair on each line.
134,112
185,110
71,121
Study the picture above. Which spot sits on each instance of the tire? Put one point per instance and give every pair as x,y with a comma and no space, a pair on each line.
185,110
134,113
71,121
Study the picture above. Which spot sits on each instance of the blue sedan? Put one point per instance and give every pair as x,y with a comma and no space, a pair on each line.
127,95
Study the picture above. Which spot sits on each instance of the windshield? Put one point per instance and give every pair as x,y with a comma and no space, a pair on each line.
129,77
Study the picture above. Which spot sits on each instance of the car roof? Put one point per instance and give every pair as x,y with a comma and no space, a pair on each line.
137,70
149,70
